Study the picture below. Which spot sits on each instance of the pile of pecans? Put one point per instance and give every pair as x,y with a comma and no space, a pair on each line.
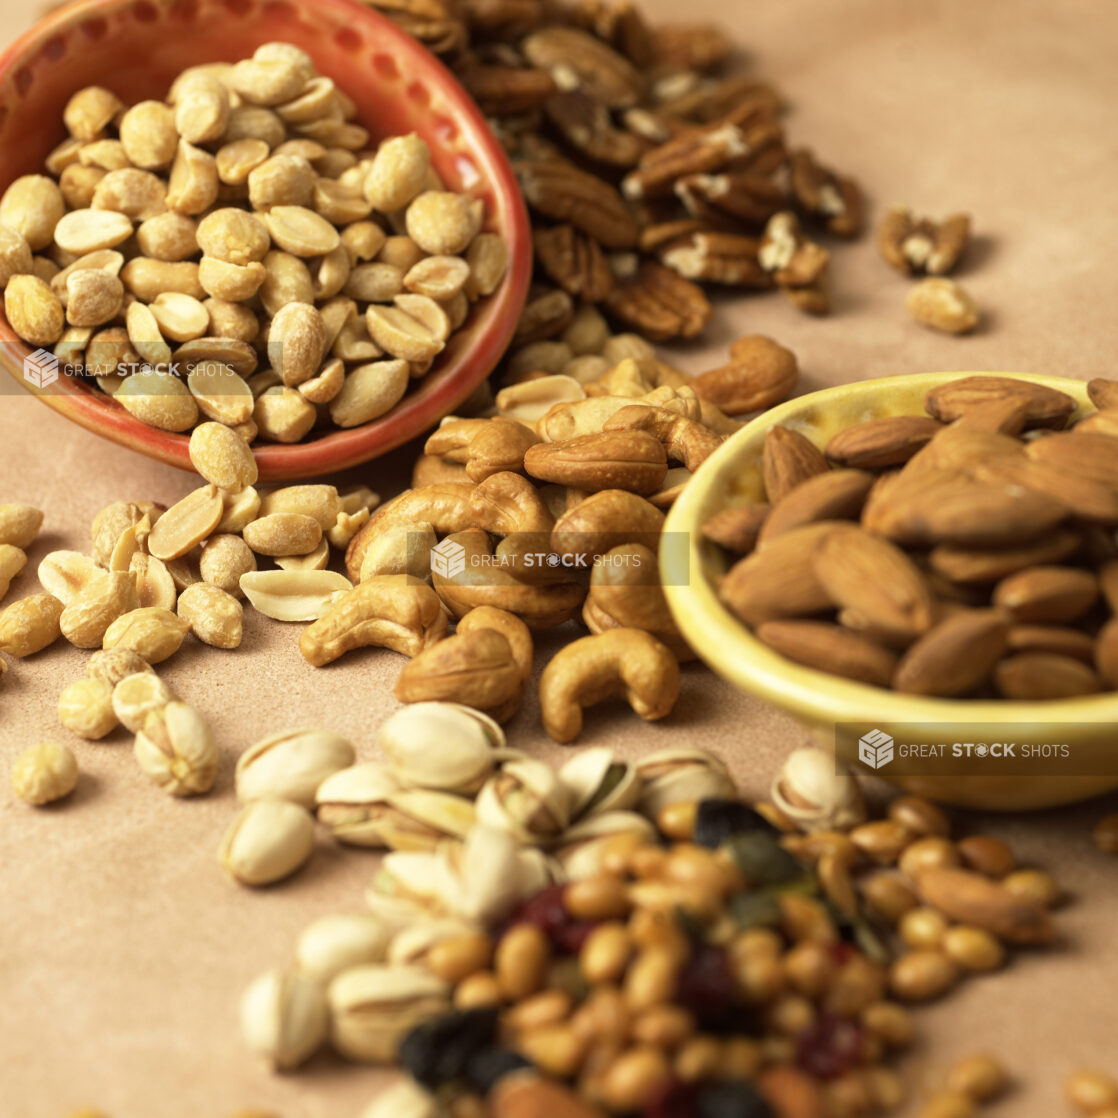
619,938
970,552
651,164
238,253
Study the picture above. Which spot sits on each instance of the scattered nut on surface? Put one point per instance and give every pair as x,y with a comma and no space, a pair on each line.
922,245
44,773
942,304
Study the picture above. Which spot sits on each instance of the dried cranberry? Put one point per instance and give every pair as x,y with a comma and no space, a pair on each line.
841,953
706,987
832,1046
568,938
546,911
543,909
672,1099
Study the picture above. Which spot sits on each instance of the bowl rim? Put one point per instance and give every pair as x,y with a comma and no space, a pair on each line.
418,412
815,696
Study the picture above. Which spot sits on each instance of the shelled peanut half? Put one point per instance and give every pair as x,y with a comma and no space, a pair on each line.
968,552
239,253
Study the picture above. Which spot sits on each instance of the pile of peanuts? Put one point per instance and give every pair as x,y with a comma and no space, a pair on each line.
239,253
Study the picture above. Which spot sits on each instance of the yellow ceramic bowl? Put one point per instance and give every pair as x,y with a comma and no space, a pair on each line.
732,475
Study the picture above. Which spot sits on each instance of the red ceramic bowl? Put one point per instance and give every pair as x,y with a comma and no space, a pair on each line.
137,47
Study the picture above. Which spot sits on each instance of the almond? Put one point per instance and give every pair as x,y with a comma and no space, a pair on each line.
1047,594
1108,581
1106,653
888,441
971,898
1088,454
950,401
830,648
954,657
835,495
1076,491
788,459
869,575
779,580
736,528
1103,393
1031,676
1006,416
966,564
1052,638
948,506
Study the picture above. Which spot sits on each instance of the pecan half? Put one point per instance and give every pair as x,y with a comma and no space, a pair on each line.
621,25
577,60
726,258
432,22
830,198
798,266
659,303
575,262
507,90
914,245
587,126
561,191
730,196
691,46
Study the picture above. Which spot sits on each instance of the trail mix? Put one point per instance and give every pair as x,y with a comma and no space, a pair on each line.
968,552
623,937
238,253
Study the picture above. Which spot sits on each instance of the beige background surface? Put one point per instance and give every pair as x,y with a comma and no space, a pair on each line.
123,950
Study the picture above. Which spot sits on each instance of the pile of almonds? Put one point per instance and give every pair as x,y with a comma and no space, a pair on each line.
651,164
238,253
966,553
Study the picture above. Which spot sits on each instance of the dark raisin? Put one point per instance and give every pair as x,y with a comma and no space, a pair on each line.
731,1100
487,1065
438,1051
718,820
831,1046
706,987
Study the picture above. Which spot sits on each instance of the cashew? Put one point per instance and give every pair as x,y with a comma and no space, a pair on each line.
429,470
632,460
446,507
509,626
483,446
395,612
683,439
607,520
505,503
625,593
483,582
476,668
623,663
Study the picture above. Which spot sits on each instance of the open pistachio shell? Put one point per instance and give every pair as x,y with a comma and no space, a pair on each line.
444,746
598,782
527,799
